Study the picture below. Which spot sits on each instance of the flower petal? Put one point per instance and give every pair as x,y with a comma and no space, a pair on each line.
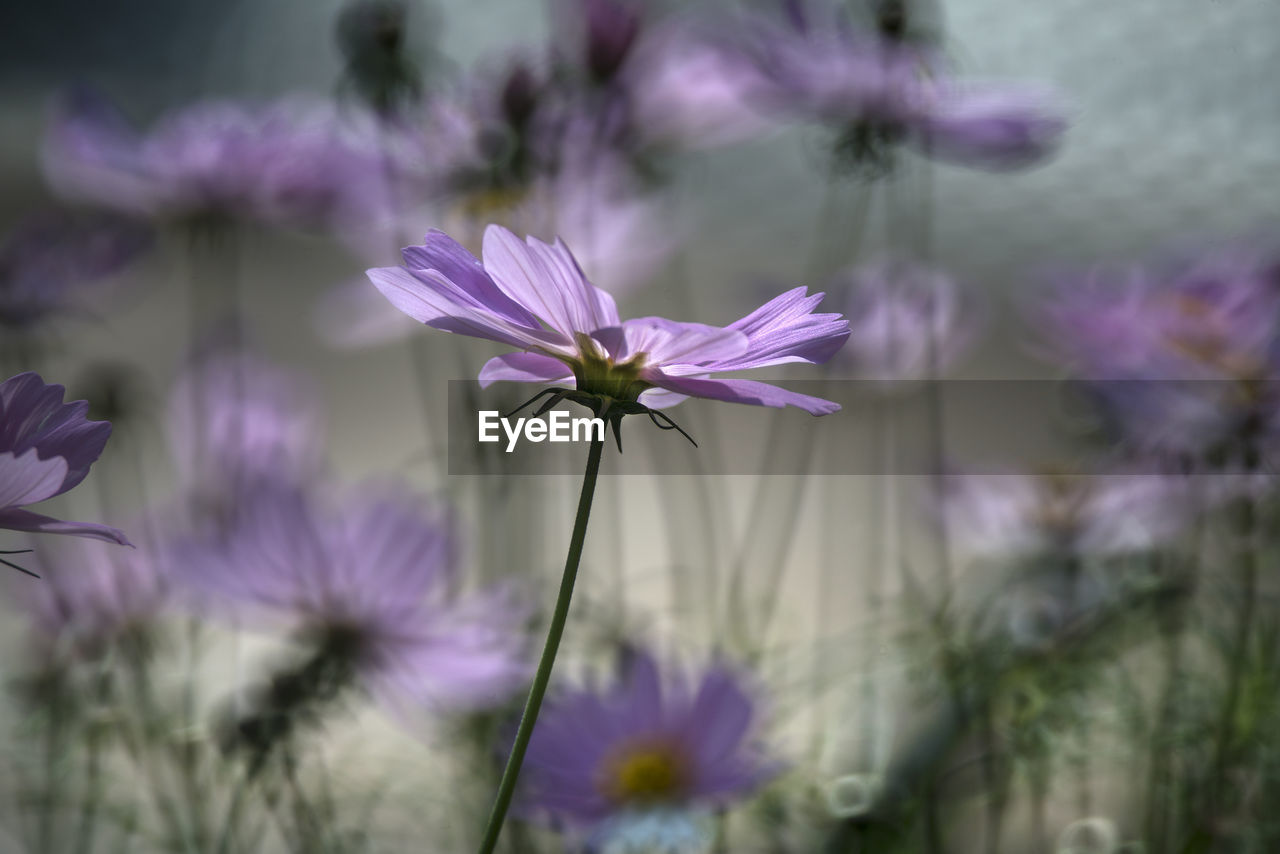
430,298
667,342
785,329
741,391
27,479
525,368
994,127
15,519
546,281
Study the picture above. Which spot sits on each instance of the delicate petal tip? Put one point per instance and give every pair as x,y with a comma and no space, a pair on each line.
16,519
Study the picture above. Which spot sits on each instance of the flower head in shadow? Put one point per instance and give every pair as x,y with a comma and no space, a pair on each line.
92,596
1182,359
368,587
50,259
881,90
288,163
46,448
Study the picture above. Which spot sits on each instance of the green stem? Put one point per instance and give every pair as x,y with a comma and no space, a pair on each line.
507,786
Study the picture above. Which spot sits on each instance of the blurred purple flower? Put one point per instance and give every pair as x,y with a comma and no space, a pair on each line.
370,579
236,421
903,317
46,448
1181,359
534,297
644,746
47,261
288,163
91,596
620,235
1013,515
693,92
833,71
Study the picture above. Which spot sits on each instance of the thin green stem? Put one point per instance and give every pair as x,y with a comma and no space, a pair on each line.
507,786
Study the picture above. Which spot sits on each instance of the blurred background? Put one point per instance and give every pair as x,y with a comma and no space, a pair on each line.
1015,596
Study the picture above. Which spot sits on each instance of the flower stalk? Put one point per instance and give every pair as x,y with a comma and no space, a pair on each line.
529,717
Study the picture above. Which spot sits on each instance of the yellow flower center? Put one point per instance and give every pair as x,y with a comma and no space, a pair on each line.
597,374
648,772
493,203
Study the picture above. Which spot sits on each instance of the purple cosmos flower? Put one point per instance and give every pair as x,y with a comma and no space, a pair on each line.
1182,359
48,259
368,582
236,421
876,86
643,746
620,235
46,448
287,163
534,297
92,595
894,311
1015,514
688,91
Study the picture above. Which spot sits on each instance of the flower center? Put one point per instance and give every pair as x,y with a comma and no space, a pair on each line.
1211,346
493,203
597,374
647,772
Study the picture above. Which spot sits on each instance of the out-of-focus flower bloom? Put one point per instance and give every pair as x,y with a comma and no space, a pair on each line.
91,596
1181,360
907,322
691,92
534,297
620,235
369,582
47,261
878,89
644,746
1012,515
236,421
46,448
288,163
